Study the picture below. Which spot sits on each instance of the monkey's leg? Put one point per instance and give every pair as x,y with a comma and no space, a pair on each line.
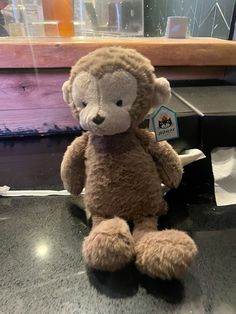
110,245
163,254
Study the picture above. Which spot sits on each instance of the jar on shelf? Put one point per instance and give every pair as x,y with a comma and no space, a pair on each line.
61,11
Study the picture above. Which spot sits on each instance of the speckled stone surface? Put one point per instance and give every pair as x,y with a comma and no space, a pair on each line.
42,270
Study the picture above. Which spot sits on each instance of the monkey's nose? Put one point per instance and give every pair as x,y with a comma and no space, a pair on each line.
98,119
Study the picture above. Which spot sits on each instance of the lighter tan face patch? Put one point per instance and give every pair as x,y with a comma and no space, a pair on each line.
111,97
119,85
84,89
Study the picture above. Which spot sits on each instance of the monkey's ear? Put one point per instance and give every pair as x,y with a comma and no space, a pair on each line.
162,92
66,92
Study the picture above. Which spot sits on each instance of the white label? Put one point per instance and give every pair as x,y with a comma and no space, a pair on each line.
16,29
164,123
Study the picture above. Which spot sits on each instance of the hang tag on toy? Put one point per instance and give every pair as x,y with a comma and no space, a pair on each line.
164,123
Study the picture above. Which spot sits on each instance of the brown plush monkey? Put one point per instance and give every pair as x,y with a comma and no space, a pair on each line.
111,90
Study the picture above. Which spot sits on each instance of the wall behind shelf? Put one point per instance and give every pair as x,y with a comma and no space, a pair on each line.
31,103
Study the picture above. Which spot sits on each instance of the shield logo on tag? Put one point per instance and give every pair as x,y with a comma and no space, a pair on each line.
164,123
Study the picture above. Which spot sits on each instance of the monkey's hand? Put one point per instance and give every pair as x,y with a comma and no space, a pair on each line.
73,165
166,159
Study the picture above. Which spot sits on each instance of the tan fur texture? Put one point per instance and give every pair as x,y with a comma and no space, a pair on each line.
73,165
114,186
167,161
108,60
110,245
100,97
122,175
164,254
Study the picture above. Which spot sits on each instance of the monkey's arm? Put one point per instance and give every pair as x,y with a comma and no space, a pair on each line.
166,159
73,165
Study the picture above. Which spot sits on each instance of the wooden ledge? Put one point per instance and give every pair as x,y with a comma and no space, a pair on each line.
64,52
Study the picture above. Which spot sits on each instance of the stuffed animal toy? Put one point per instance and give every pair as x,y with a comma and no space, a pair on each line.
110,91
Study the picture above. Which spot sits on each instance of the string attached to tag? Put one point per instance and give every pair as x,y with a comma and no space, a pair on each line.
164,123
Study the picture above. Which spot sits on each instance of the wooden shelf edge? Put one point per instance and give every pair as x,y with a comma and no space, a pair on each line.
64,52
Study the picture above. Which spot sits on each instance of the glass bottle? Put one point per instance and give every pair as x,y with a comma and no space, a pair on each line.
61,11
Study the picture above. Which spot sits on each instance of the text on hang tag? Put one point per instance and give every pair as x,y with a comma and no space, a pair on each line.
165,124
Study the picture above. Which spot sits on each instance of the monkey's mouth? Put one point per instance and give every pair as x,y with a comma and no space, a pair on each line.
96,129
109,126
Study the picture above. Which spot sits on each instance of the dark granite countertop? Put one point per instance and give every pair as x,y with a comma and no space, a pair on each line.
42,270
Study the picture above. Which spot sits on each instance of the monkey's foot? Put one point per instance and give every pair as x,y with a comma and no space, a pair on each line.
109,246
165,254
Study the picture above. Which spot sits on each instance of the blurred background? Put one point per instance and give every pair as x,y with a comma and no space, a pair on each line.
104,18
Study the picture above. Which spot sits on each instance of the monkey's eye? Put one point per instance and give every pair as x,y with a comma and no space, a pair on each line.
119,103
84,103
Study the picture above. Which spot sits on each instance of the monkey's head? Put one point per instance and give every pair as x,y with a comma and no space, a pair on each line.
112,89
